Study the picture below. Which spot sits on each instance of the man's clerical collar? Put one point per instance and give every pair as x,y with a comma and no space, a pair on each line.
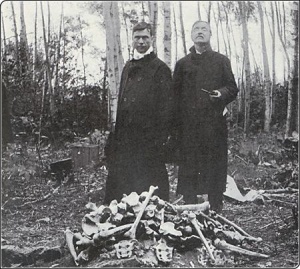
137,55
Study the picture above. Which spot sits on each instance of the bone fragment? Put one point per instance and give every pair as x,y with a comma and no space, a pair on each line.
69,239
221,244
193,207
109,232
239,229
132,231
193,220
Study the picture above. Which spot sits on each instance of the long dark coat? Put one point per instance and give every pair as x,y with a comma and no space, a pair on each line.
201,125
143,119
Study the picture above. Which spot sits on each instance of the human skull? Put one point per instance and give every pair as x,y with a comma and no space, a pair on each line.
124,248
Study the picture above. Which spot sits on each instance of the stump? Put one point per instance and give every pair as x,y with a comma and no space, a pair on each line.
83,155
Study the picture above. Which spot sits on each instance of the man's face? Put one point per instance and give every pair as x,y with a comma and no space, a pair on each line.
142,40
201,33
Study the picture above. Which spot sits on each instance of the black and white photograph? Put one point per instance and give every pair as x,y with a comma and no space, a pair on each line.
149,134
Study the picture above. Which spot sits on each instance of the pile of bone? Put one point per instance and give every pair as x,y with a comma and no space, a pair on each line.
125,229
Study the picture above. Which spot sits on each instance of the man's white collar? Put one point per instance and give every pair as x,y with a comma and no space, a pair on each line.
137,55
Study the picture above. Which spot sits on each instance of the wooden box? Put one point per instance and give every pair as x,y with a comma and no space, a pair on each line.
83,155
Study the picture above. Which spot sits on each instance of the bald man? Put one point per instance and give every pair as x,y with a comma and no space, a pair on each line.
204,84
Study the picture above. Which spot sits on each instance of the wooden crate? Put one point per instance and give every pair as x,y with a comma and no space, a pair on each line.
83,155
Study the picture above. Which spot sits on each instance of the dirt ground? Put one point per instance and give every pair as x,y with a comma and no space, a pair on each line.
30,221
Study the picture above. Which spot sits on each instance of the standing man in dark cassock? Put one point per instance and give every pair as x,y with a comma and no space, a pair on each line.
145,103
204,84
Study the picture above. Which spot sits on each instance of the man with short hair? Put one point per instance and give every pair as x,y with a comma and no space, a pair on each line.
143,120
204,84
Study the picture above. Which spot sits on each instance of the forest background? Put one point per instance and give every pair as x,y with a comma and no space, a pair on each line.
61,63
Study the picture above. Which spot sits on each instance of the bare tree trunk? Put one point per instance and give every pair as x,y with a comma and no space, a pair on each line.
182,28
223,35
16,36
63,57
209,11
127,33
267,80
198,8
167,33
23,35
3,34
295,79
82,53
35,44
153,13
58,56
272,33
114,56
176,37
290,91
217,24
48,69
245,46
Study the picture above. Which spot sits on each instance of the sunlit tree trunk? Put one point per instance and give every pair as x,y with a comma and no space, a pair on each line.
167,33
153,14
127,32
58,57
114,56
34,61
82,53
267,80
3,35
23,34
217,20
273,34
290,91
245,46
295,75
222,31
209,11
16,35
198,8
175,30
47,63
182,28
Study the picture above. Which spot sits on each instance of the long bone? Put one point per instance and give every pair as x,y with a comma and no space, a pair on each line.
221,244
131,233
69,239
193,220
239,229
106,233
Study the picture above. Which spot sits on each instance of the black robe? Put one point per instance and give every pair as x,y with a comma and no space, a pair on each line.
201,125
143,120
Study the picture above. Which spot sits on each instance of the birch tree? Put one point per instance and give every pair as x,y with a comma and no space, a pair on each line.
273,35
167,33
182,28
114,56
34,60
153,14
16,35
176,36
198,8
281,34
295,74
245,46
23,34
47,63
267,81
